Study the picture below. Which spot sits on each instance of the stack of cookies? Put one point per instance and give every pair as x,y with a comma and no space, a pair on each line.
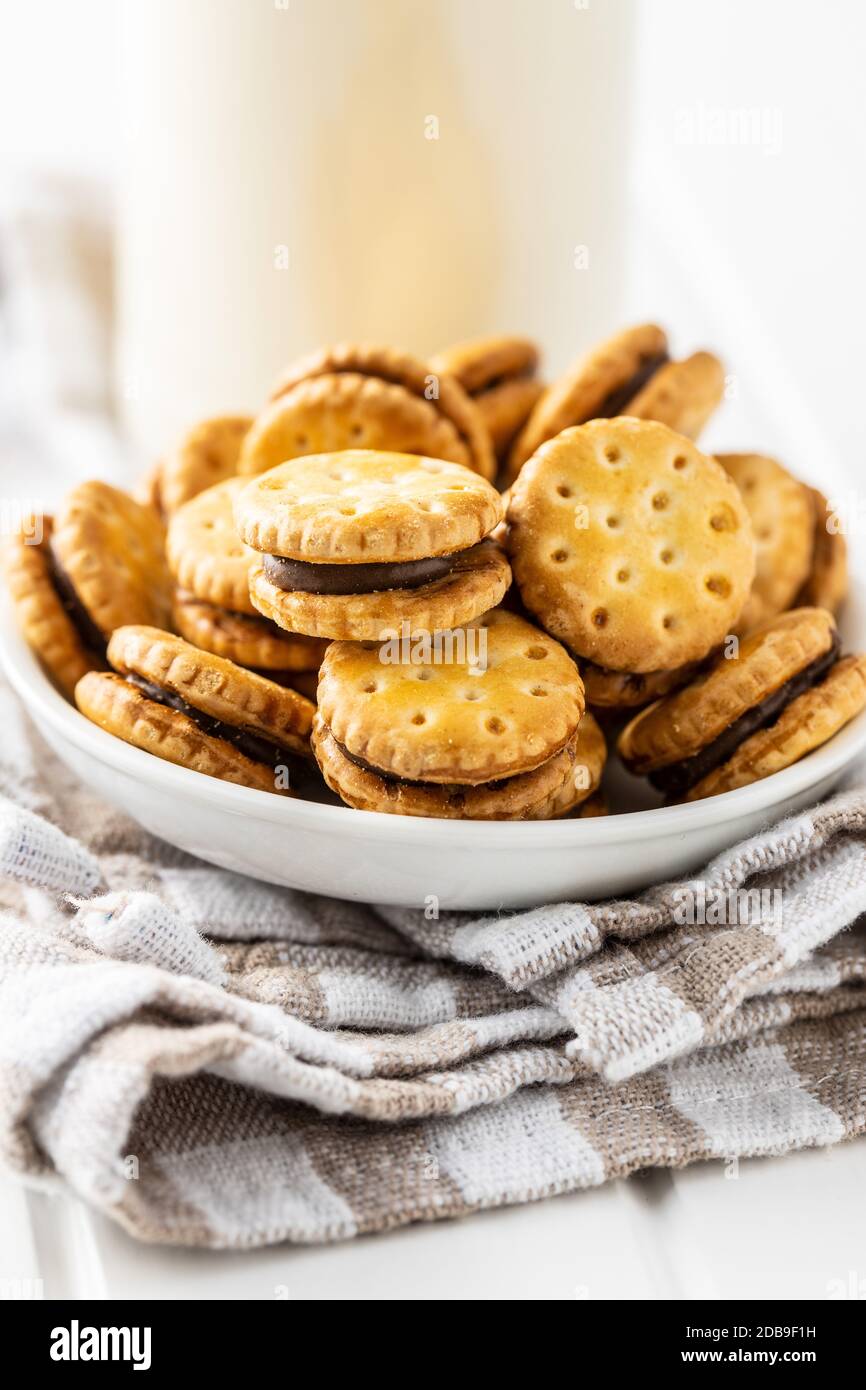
468,653
496,732
500,376
630,374
366,397
785,692
352,545
76,576
197,710
212,606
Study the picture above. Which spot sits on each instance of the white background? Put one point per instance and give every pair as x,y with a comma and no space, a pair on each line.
768,240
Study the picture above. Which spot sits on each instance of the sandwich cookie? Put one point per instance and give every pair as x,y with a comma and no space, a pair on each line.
491,732
623,690
785,693
363,397
44,611
826,584
98,564
630,545
499,375
783,522
212,605
359,544
630,374
682,394
206,454
197,710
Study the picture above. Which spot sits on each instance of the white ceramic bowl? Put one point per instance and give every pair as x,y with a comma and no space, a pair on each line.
328,848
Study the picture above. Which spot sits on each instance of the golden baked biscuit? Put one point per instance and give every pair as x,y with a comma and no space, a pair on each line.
477,580
212,607
205,553
804,725
197,710
361,507
497,698
247,641
535,795
630,374
506,408
213,686
51,622
109,558
489,725
359,396
754,710
826,584
499,374
111,702
783,522
682,395
589,761
207,454
356,542
481,363
630,545
621,690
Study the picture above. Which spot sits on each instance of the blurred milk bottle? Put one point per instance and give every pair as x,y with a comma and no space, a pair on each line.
298,172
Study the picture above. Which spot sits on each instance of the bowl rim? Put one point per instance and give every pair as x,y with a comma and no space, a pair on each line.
47,705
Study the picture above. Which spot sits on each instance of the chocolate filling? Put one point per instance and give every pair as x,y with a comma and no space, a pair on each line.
615,401
678,778
315,578
504,378
635,683
78,615
253,746
450,788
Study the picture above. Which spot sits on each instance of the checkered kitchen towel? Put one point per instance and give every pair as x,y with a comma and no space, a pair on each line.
216,1062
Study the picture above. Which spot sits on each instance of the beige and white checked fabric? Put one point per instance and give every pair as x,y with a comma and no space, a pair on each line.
213,1061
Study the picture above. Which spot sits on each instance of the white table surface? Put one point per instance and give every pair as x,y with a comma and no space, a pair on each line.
784,1228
